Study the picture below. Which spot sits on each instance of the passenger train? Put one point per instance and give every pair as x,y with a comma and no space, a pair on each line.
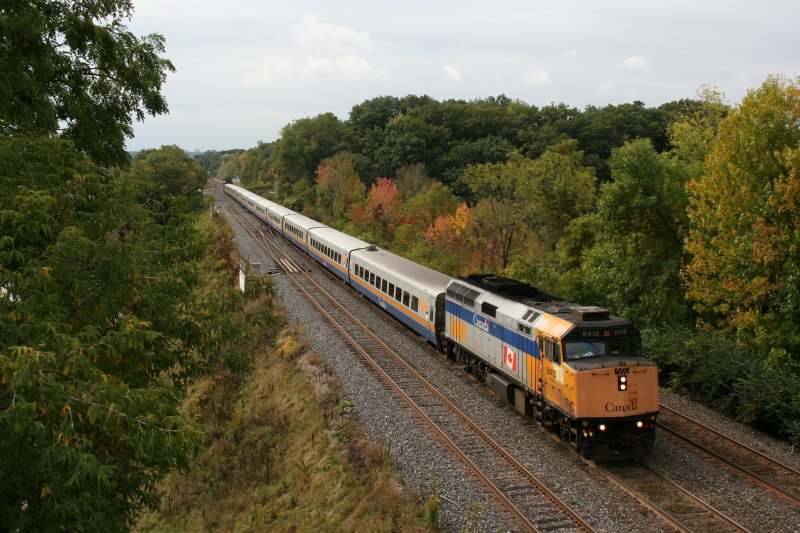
575,369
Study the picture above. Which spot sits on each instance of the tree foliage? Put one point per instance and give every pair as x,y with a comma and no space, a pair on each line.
633,265
744,218
499,209
93,313
167,176
304,143
73,68
338,185
555,189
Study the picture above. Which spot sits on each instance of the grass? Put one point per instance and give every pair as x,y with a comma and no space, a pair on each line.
282,451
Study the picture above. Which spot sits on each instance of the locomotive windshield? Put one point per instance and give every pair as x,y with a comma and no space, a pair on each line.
598,347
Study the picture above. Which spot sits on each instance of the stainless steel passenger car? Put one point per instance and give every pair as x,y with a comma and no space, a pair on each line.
251,201
332,249
412,293
275,215
296,228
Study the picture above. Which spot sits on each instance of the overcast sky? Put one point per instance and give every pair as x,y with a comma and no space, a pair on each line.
247,68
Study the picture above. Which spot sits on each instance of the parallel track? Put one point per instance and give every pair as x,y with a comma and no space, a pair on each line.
775,476
524,497
678,507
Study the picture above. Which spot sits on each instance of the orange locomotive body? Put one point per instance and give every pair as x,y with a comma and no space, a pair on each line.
575,369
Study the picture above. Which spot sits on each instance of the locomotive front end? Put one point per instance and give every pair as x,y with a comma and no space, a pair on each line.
616,392
616,407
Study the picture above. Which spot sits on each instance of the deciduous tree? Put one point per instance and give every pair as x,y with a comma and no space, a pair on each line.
304,143
338,184
95,314
72,67
743,240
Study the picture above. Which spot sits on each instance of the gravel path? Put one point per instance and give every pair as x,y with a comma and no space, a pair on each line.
464,503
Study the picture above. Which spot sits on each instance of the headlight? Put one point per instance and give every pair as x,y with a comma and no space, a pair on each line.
639,424
602,427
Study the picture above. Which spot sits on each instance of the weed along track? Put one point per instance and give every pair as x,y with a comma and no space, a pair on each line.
523,497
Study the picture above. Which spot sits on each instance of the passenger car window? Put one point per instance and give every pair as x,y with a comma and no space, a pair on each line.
414,303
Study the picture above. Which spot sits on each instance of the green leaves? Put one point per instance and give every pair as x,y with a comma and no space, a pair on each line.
743,239
73,68
102,322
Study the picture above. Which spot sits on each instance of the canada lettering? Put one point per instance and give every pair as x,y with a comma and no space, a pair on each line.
611,407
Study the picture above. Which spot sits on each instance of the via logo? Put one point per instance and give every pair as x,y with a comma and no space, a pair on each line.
480,323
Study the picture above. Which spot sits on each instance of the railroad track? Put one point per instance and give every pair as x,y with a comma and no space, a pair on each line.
531,504
676,506
746,462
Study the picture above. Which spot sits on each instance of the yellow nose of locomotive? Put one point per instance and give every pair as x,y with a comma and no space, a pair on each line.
616,392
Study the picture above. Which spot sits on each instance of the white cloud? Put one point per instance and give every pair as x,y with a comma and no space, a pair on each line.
311,34
452,72
637,64
316,51
604,88
285,70
537,77
570,53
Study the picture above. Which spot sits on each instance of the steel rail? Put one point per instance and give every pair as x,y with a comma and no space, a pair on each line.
665,514
738,467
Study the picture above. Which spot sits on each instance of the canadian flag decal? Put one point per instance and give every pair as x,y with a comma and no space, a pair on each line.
510,358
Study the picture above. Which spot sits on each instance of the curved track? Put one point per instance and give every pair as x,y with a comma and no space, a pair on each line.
524,497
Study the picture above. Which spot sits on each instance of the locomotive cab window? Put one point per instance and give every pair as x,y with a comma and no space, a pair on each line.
551,351
625,346
581,349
